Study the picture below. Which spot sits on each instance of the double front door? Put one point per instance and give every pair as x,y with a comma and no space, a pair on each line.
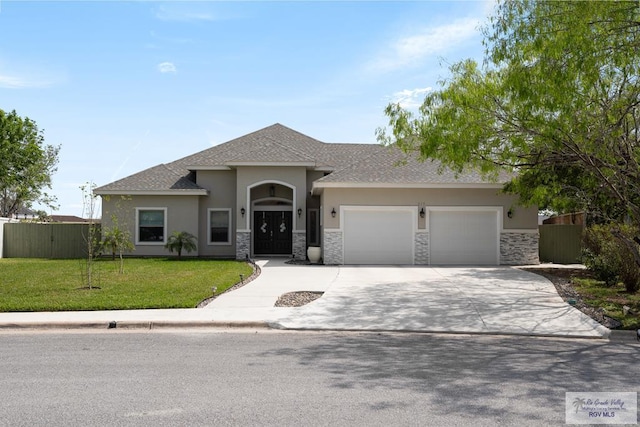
272,232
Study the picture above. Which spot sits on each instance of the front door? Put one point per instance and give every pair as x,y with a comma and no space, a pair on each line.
272,232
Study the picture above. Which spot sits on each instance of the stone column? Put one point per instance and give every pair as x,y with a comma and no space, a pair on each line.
243,245
300,245
519,248
421,255
332,249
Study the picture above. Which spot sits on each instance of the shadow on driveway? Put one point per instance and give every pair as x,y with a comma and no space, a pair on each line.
462,300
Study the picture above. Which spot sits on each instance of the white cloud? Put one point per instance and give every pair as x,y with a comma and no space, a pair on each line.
11,82
409,50
178,13
167,67
410,98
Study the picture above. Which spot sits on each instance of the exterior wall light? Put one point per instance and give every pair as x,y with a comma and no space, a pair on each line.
272,191
422,213
242,212
299,212
510,213
333,212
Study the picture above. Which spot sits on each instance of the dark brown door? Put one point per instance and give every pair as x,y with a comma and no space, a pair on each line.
272,233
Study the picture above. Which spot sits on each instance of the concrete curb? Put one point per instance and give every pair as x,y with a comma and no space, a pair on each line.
132,325
436,331
614,336
630,336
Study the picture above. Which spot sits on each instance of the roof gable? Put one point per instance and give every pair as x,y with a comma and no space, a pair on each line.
273,144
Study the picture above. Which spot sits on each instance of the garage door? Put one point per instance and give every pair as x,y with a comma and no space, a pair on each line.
383,236
463,237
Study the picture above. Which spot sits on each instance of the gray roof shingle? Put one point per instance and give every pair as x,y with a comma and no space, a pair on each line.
278,144
389,165
155,179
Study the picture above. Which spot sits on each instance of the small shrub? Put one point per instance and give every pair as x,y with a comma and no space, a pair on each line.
599,255
608,254
181,240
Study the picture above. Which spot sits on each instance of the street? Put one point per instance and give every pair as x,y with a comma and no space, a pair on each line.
230,377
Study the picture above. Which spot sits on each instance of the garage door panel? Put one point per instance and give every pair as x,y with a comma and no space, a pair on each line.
378,237
464,237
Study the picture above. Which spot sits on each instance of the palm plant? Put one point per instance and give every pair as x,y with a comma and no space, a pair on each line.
180,240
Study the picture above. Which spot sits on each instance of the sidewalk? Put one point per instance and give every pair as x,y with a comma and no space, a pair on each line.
250,306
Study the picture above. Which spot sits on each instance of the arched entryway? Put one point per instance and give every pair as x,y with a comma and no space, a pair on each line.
272,219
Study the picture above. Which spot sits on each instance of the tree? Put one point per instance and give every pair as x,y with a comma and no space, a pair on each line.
180,240
556,102
92,236
27,164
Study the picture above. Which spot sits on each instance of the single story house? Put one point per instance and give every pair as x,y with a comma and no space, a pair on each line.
277,192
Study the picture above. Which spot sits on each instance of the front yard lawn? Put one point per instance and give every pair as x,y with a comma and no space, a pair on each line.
58,285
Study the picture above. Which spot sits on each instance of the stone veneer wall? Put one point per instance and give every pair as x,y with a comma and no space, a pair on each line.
517,248
421,255
243,244
332,249
300,245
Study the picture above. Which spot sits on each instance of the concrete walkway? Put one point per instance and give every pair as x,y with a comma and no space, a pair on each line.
499,300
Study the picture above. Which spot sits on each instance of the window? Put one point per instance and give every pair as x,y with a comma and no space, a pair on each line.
220,226
313,227
151,225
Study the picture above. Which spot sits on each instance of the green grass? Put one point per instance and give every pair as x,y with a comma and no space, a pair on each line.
56,285
611,299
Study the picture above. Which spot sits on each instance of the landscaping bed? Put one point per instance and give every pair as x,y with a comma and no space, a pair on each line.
297,299
580,288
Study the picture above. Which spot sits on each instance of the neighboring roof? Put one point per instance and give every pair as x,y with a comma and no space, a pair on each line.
26,212
278,145
67,218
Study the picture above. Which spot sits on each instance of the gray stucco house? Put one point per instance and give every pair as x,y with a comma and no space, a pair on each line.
276,192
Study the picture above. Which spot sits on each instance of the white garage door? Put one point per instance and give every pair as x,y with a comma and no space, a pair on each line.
463,237
383,236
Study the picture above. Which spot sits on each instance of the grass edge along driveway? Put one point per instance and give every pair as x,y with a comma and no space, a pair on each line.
60,285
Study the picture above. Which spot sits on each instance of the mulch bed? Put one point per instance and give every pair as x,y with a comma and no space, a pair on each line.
297,299
561,279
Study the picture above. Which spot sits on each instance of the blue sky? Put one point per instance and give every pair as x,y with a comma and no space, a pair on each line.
123,86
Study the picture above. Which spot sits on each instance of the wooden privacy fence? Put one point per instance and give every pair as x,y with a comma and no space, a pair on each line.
561,243
29,240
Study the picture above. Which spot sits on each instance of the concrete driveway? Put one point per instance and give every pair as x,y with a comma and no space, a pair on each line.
500,300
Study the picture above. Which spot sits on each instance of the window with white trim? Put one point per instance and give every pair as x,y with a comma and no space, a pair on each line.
151,223
220,226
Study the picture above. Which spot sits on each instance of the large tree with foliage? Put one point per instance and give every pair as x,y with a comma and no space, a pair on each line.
557,100
26,164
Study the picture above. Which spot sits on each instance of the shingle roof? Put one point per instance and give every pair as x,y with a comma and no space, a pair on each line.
276,144
156,179
389,165
280,145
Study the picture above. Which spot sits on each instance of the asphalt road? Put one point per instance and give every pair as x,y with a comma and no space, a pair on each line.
187,378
